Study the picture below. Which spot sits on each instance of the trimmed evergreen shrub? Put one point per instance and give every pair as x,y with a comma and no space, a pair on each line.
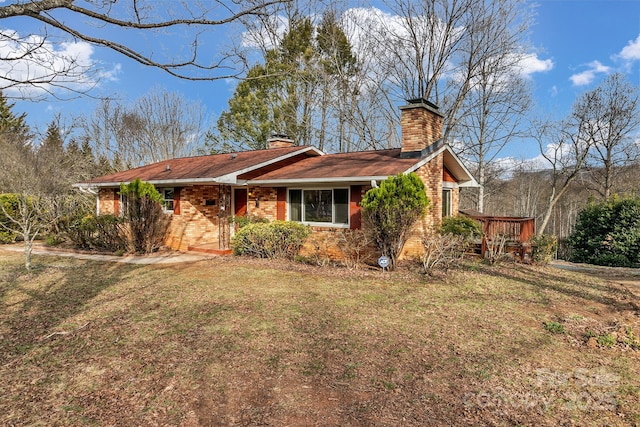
391,210
608,233
277,239
244,220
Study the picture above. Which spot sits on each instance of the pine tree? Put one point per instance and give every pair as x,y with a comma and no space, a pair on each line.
17,157
293,92
12,125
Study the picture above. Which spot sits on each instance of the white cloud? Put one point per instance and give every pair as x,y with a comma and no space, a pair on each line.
631,51
266,36
587,76
530,64
34,66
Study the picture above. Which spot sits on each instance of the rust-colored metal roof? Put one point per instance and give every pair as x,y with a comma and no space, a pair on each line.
362,164
203,168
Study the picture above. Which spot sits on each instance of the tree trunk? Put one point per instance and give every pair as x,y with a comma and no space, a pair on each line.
28,247
481,179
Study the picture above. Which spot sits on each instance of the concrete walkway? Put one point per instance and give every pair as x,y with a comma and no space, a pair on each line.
168,257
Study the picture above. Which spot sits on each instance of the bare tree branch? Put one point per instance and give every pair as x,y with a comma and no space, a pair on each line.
99,23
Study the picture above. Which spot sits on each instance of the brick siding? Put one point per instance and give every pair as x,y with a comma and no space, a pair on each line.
421,126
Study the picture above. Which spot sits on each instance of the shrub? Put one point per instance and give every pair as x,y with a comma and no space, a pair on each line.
94,232
442,250
320,245
355,247
244,220
461,225
277,239
9,204
543,247
109,233
496,248
78,228
608,233
391,210
145,220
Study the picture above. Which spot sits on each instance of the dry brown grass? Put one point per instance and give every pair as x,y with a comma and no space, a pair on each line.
248,342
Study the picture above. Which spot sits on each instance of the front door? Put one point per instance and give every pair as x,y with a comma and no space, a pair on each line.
240,197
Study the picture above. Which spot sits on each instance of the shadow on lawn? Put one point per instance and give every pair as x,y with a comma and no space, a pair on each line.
615,297
47,296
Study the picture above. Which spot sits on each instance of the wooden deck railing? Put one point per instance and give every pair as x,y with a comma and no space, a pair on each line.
515,231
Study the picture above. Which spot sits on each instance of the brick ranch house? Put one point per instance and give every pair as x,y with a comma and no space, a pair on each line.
294,183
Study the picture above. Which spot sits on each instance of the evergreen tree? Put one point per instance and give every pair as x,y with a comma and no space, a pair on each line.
608,233
11,124
339,65
17,157
51,166
292,92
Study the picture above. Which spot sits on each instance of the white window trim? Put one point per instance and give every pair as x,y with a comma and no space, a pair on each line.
333,213
162,193
450,205
450,185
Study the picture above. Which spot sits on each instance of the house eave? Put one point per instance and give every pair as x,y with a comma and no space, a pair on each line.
455,166
156,182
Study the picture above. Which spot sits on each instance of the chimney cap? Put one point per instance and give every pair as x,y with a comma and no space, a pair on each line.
277,135
422,100
279,140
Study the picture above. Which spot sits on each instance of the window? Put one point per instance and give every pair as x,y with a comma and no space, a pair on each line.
167,195
319,206
446,202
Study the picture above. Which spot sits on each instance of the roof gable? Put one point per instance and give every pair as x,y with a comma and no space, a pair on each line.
362,166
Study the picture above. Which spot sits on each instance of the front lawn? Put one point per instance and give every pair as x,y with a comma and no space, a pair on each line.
237,341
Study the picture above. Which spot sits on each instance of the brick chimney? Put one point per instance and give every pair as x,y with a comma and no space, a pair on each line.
421,125
279,140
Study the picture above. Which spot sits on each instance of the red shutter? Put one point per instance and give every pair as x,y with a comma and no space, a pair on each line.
355,222
176,201
281,204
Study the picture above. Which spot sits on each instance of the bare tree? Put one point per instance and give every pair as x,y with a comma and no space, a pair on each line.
170,126
440,48
490,118
161,125
616,115
566,146
27,219
34,61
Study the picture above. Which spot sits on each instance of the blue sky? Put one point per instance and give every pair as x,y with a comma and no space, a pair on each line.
585,40
576,44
